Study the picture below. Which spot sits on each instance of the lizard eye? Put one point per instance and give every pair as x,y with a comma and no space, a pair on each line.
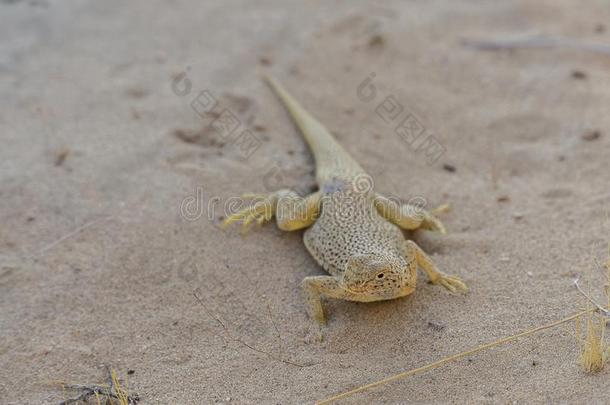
380,275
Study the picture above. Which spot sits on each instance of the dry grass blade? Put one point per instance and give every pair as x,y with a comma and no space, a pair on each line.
538,43
113,393
241,341
594,352
458,356
594,349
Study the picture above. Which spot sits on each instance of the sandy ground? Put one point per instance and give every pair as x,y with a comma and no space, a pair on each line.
107,172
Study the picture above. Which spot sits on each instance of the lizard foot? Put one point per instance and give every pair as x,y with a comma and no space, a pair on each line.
441,209
452,283
260,212
432,223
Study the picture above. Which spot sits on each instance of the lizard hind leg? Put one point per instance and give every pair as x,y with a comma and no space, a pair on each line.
409,216
294,212
291,211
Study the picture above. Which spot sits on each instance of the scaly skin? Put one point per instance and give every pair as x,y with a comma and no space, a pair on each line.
352,232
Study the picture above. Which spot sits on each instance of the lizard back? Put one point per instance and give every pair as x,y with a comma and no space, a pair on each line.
349,225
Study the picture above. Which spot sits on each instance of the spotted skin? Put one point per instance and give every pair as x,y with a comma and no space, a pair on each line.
353,232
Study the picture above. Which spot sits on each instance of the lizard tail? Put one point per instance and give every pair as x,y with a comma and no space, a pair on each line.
329,155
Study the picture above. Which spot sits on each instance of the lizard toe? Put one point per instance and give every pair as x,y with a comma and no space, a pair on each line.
453,284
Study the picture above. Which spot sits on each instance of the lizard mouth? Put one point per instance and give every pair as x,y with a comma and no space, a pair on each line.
364,289
357,289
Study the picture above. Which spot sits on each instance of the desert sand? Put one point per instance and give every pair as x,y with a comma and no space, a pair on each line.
108,169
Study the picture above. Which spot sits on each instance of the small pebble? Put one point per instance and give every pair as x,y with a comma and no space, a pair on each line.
136,92
376,40
437,327
449,168
578,74
265,61
61,156
591,135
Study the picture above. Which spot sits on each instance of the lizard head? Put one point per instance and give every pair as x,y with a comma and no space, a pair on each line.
379,275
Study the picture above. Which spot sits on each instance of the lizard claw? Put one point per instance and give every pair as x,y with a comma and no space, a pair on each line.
252,196
441,209
453,284
431,223
259,212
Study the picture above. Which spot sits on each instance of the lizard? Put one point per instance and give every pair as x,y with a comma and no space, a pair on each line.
352,231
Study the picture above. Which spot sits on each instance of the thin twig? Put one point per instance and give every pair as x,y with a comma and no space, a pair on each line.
110,380
591,300
112,390
440,362
279,335
241,341
90,390
599,265
537,42
71,234
257,293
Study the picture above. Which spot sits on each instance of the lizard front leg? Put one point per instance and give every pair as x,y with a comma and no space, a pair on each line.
291,211
408,216
414,252
316,286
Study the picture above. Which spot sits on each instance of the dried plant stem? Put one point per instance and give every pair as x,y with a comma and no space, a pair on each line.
440,362
241,341
538,42
109,392
593,355
594,350
591,300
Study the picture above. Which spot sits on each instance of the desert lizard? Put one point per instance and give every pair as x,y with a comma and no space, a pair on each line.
353,232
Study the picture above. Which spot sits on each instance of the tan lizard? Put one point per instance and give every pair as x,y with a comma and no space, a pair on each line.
352,231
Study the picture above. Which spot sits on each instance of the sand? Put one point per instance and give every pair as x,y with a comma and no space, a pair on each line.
107,172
